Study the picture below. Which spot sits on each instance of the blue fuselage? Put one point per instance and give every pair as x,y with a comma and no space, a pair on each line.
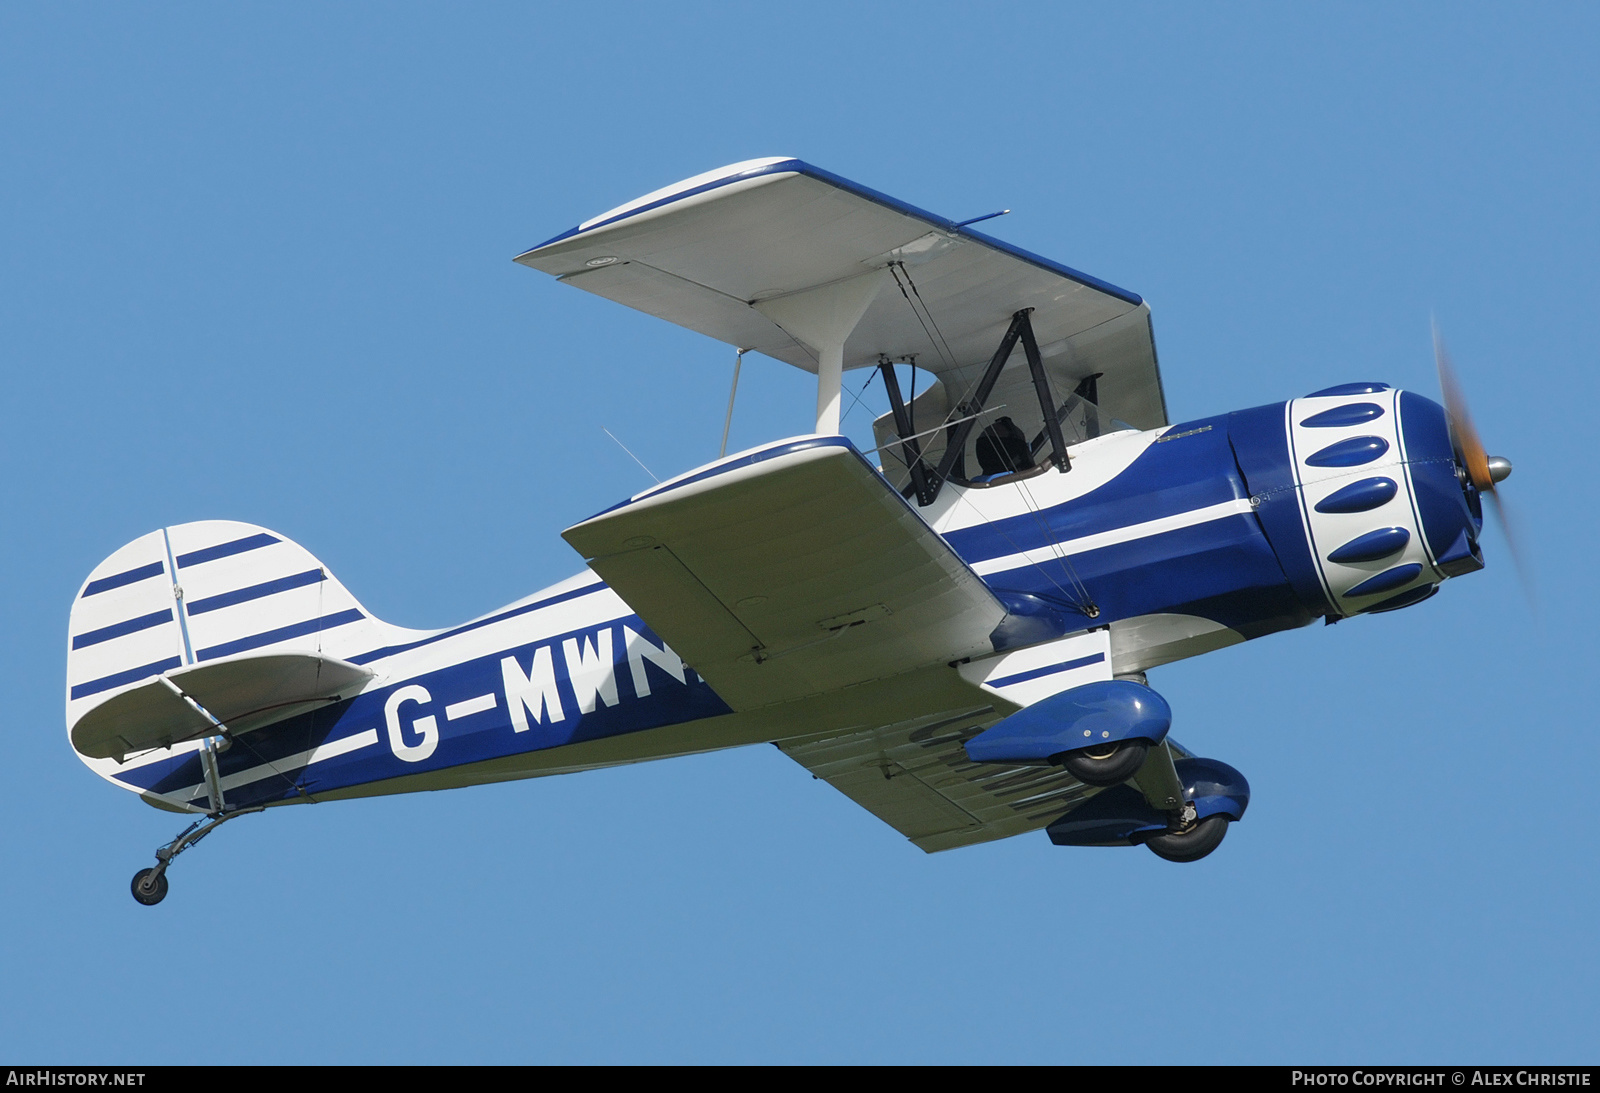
1226,520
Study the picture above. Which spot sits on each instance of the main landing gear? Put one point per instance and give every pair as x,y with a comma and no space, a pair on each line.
1179,808
1105,764
1188,839
150,885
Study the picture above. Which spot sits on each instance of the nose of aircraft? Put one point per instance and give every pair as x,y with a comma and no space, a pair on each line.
1449,500
1483,472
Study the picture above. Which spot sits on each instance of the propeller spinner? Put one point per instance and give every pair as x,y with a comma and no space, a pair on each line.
1484,472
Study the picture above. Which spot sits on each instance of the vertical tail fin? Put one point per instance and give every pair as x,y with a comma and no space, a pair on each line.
201,592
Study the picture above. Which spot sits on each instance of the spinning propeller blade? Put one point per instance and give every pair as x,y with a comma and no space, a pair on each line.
1483,471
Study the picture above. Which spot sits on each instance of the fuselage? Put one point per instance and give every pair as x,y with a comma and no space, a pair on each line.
1179,540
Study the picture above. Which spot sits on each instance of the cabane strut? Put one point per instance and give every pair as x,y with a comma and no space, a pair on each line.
926,481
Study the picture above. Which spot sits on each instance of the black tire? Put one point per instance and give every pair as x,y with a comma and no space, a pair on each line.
1193,844
1106,764
152,895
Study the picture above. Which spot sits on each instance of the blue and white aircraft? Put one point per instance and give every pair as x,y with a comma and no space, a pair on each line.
953,630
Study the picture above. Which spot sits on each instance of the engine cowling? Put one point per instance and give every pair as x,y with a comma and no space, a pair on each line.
1360,494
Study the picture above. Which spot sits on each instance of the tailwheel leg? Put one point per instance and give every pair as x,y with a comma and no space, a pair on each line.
150,885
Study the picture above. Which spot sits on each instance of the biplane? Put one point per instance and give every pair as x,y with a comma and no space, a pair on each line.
953,629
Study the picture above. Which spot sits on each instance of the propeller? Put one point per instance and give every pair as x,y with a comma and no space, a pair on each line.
1483,470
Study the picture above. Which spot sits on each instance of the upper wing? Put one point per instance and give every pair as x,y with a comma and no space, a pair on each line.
707,252
788,571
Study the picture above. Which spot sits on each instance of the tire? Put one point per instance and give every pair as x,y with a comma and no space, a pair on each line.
1193,844
153,895
1107,764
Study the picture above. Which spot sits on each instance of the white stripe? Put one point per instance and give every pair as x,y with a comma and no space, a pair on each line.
1041,555
471,706
593,608
296,761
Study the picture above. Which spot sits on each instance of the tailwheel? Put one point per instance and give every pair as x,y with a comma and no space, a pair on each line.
150,885
1105,764
1191,843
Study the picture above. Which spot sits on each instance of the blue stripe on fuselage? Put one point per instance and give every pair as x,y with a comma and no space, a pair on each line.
470,738
1191,470
1222,569
500,616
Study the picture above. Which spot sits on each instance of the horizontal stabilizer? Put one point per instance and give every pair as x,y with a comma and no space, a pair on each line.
790,570
239,695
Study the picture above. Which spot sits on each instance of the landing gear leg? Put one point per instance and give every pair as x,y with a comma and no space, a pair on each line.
150,885
1159,782
1186,837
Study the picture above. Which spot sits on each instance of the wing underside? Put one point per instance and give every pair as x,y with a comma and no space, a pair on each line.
794,572
917,779
790,571
720,253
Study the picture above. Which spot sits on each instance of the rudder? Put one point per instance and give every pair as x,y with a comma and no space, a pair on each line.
203,592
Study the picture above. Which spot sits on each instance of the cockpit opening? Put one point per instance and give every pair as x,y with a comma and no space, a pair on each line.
1014,419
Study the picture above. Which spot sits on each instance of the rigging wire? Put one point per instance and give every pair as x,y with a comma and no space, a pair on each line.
232,738
1088,606
1086,603
270,765
899,440
1015,547
857,399
925,308
802,346
950,360
631,456
944,356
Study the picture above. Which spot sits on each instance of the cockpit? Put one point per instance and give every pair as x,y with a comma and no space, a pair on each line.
1008,421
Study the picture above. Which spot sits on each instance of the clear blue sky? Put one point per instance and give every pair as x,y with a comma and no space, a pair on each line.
255,263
